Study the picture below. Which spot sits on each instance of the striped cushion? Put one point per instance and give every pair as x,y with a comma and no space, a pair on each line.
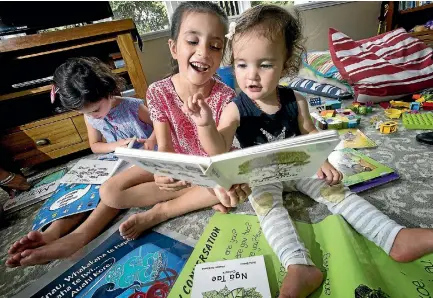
383,67
312,87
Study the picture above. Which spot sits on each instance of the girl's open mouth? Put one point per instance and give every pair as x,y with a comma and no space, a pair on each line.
199,67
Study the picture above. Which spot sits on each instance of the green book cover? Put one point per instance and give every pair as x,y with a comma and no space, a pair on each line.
357,167
352,265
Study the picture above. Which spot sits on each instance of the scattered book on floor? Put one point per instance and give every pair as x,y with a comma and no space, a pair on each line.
288,159
360,171
244,277
111,267
39,191
68,199
90,171
354,138
352,265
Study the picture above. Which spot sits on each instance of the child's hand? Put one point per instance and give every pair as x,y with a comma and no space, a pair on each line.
169,184
238,193
199,111
148,144
331,174
122,143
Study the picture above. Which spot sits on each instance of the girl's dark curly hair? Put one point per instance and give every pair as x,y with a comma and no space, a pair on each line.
80,81
273,22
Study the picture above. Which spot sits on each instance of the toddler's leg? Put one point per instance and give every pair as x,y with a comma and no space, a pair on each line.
302,277
400,243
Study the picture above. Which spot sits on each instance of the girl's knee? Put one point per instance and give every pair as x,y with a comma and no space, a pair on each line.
110,194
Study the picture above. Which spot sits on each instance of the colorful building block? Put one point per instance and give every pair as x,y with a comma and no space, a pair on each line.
418,121
362,110
428,106
388,127
333,104
315,101
415,106
327,113
319,121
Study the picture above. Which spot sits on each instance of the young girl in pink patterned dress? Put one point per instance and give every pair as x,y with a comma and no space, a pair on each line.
196,45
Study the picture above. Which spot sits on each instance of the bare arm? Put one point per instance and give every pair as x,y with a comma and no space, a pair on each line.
95,140
144,116
305,123
219,140
163,136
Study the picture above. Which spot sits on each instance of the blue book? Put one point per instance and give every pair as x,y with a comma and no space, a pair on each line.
145,267
68,199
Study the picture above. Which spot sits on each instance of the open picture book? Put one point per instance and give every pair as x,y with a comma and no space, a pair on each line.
284,160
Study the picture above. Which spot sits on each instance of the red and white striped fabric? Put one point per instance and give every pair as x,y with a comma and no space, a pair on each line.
383,67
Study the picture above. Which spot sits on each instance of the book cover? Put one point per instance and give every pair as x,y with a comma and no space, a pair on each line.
40,191
357,167
244,277
115,267
68,199
363,186
284,160
352,265
354,138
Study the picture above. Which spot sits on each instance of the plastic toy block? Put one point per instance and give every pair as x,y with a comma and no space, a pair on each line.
319,108
315,101
369,109
352,124
388,127
319,121
327,113
427,106
333,104
362,110
418,121
399,104
334,123
415,106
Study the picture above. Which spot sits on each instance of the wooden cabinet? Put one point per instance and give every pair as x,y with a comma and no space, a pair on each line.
31,129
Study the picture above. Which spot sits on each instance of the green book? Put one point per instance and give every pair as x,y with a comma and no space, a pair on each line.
352,265
357,167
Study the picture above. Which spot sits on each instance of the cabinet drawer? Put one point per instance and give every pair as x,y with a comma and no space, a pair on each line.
41,139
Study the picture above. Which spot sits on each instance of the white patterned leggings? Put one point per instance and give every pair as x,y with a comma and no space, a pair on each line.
278,228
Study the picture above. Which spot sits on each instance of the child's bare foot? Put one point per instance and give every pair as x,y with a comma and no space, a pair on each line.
300,281
140,222
412,244
59,249
33,239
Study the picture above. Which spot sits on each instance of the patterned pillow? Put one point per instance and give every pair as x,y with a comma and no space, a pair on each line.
322,65
315,88
383,67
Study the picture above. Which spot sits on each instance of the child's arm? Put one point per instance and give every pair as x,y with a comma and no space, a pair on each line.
96,143
144,116
214,140
306,126
305,123
163,135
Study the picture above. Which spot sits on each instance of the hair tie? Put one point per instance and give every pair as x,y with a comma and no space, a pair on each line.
54,90
232,29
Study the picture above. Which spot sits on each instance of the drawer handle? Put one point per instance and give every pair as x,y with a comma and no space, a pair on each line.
42,142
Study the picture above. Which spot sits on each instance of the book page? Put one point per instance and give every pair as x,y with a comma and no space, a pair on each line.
294,162
87,171
177,166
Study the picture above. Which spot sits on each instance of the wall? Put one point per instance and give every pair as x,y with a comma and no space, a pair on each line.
155,59
356,19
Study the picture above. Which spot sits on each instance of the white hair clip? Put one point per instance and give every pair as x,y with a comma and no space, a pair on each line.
232,29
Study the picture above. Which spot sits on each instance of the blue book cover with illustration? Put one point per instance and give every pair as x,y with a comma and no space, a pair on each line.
143,268
68,199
